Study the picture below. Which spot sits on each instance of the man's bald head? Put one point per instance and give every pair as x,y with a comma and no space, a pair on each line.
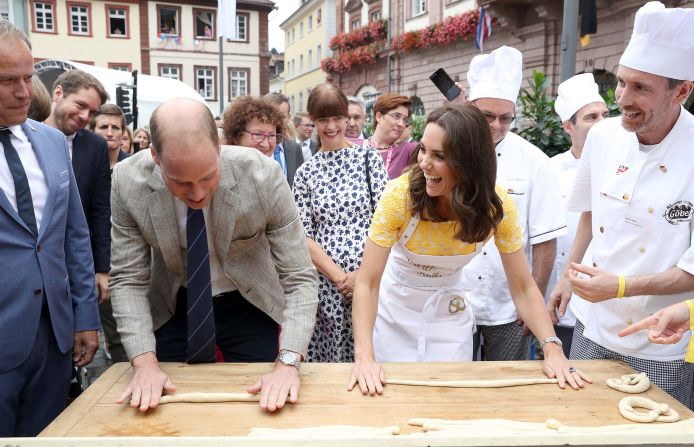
182,119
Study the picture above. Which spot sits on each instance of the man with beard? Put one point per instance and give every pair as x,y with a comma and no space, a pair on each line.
635,172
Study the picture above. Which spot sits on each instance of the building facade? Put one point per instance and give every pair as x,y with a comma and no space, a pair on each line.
307,34
101,33
180,41
276,68
532,26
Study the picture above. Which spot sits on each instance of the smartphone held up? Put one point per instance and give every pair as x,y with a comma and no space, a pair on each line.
445,84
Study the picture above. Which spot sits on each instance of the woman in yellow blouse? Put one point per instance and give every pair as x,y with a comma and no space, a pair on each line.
408,301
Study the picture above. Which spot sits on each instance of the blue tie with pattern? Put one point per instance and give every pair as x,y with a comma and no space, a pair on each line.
278,158
25,204
201,332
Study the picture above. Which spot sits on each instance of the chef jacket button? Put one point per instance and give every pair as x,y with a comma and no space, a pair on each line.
650,209
38,291
595,265
484,253
625,196
563,254
479,277
642,249
629,321
602,229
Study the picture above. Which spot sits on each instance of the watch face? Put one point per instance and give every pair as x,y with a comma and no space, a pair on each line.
288,357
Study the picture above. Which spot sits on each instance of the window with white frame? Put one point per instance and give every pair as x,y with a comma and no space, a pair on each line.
287,38
301,63
376,16
44,17
310,23
170,71
169,20
418,7
79,19
354,24
239,82
319,56
291,99
205,23
318,17
205,82
301,102
117,22
310,60
301,30
241,27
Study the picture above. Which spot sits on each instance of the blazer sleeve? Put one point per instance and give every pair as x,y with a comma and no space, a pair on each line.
79,260
100,209
285,234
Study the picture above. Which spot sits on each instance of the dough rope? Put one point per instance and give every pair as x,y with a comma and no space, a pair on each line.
658,412
502,383
209,397
630,383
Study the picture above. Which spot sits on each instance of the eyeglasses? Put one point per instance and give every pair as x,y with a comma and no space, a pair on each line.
309,125
259,137
399,118
503,119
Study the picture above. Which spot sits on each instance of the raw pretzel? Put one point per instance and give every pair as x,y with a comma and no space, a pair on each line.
209,397
630,383
472,383
658,412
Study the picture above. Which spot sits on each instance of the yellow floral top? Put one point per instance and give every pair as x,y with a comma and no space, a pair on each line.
435,238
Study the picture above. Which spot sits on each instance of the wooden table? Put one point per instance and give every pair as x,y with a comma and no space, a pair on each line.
325,401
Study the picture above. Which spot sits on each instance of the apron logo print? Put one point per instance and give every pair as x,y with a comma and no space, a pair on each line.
678,212
622,169
456,305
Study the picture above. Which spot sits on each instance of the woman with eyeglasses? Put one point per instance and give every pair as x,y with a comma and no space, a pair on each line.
336,192
391,118
409,302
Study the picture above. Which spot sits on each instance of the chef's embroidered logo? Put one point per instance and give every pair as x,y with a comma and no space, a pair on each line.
622,169
678,212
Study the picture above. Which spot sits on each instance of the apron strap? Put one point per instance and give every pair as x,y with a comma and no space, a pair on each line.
409,230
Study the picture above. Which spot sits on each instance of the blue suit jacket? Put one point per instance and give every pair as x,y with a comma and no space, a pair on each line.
58,263
92,171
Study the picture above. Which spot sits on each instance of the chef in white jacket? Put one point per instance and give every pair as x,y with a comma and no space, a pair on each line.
579,106
525,172
635,191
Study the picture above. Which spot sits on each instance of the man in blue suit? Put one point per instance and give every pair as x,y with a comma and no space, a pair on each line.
48,307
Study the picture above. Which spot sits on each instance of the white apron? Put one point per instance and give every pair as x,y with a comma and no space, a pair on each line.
423,313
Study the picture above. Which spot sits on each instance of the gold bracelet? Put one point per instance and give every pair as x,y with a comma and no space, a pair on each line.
621,286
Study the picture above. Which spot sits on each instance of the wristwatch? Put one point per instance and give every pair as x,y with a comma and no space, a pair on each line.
552,339
289,358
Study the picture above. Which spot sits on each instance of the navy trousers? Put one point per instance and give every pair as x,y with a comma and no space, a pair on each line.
35,392
243,332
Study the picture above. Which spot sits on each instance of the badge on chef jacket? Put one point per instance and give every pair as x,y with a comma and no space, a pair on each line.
456,305
679,212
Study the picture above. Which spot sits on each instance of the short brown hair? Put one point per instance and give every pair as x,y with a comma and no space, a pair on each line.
469,153
389,101
327,100
244,110
72,81
111,110
40,107
298,117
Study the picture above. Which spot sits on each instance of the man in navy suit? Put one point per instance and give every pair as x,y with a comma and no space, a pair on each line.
77,96
48,307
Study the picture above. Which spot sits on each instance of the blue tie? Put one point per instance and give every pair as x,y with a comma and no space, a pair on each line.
201,332
25,205
278,158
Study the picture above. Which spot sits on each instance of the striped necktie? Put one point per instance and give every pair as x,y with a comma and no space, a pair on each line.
201,332
25,204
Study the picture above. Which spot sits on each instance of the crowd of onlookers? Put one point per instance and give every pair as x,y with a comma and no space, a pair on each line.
202,239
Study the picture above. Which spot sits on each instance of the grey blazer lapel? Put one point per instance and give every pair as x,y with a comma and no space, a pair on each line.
160,206
222,207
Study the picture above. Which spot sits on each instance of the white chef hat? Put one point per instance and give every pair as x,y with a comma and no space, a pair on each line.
496,75
575,93
662,42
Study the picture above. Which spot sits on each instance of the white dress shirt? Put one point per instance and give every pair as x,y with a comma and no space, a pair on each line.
37,181
220,282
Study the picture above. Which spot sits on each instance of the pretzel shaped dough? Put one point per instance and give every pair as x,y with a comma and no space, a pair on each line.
630,383
658,412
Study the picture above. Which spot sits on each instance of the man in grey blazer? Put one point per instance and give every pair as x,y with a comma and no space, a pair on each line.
48,307
257,262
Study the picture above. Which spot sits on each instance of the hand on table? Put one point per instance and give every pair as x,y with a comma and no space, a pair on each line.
369,375
667,326
599,286
556,365
148,384
559,299
85,345
275,386
346,286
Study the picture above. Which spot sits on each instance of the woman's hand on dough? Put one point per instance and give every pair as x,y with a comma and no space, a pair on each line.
369,375
556,365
